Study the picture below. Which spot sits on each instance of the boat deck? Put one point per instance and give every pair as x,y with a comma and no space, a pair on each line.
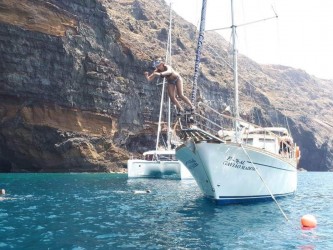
198,135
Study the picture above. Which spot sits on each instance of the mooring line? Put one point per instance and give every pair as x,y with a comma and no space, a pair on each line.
285,216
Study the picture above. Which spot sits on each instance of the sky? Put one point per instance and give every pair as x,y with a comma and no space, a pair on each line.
301,36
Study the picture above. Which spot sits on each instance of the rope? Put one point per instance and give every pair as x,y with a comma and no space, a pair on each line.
270,192
167,59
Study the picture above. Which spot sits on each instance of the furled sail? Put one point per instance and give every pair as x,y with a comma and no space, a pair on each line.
198,51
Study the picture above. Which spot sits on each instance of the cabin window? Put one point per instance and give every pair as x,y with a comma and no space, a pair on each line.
149,157
167,157
249,141
266,140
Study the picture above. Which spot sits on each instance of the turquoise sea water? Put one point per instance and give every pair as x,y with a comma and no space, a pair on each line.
100,211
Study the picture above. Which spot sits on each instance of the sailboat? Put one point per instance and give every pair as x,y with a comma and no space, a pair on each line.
232,160
160,162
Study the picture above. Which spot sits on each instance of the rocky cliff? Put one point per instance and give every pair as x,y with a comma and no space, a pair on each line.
73,96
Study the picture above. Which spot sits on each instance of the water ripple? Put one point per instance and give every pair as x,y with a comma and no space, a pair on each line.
100,211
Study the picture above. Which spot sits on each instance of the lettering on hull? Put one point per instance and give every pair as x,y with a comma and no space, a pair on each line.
236,163
191,164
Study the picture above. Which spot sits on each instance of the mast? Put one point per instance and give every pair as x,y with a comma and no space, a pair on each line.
235,69
198,52
168,61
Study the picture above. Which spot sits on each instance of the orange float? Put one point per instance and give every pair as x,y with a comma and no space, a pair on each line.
308,221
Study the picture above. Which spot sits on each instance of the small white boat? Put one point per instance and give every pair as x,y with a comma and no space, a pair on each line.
158,164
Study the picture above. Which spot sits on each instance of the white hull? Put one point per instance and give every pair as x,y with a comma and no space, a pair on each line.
226,174
233,160
174,169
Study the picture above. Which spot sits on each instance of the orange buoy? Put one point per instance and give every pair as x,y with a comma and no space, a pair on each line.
308,221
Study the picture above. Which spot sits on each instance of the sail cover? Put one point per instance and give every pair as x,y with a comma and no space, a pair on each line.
198,51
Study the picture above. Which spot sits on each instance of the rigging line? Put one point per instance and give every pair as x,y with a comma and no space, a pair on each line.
164,143
274,11
160,117
245,81
240,76
228,64
170,62
287,124
168,53
285,216
219,56
233,118
251,94
258,117
276,117
245,24
197,9
230,67
261,20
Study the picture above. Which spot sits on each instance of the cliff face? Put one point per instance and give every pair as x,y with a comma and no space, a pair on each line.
73,96
62,87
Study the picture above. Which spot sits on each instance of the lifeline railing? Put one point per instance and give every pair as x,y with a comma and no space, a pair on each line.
220,125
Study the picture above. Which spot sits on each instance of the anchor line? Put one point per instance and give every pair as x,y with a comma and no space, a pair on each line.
262,179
